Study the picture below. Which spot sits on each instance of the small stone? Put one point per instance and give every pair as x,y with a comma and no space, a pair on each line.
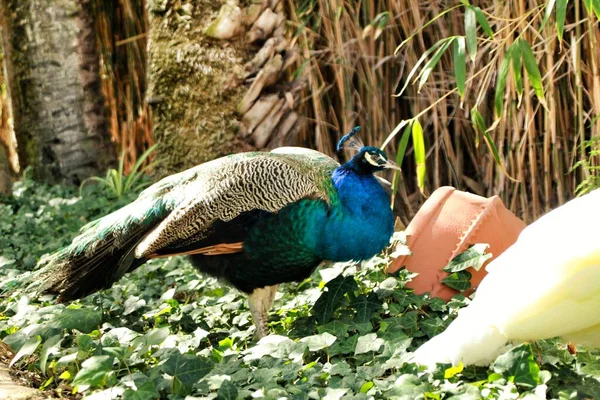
187,9
263,26
261,57
263,132
259,111
228,23
266,77
251,13
157,6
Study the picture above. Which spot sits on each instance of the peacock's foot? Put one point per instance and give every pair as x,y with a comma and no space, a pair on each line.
260,302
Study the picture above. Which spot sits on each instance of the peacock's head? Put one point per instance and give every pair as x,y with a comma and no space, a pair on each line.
368,159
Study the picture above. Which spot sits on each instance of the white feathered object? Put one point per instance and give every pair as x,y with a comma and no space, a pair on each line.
545,285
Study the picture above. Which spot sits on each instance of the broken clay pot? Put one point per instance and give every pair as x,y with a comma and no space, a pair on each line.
446,225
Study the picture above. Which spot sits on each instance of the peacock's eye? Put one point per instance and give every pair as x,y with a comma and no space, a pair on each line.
375,159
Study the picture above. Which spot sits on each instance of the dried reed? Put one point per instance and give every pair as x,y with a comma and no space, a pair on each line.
353,73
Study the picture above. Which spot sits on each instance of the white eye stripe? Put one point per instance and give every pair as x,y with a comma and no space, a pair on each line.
371,160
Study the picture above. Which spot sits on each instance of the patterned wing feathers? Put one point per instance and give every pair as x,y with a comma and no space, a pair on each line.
266,183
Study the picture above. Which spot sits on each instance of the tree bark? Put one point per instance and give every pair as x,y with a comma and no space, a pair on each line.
57,105
216,80
5,176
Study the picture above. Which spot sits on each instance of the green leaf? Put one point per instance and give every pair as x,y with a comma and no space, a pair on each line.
409,323
478,124
336,328
519,366
516,68
426,54
227,391
492,146
366,386
501,82
460,281
186,370
432,326
65,376
84,320
471,32
368,343
547,12
460,65
144,389
474,257
319,342
419,148
51,346
596,7
430,65
453,371
561,11
94,371
403,144
533,72
483,22
332,298
365,306
27,349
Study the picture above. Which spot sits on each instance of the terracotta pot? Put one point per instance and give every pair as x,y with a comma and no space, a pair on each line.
445,226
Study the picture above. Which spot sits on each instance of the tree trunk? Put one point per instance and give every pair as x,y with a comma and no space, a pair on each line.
215,80
54,87
5,176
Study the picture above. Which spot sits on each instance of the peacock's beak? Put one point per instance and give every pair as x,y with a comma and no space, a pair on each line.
391,165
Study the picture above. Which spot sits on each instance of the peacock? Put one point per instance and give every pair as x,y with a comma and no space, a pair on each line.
253,220
546,285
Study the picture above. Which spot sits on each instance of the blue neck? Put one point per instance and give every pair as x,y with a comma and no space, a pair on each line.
362,222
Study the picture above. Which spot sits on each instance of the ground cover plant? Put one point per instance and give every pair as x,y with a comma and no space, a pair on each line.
165,332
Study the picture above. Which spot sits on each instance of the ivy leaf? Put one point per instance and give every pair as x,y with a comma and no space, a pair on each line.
409,324
452,371
94,371
460,281
519,366
474,257
336,328
367,343
318,342
227,391
51,346
84,320
346,346
365,306
186,370
331,299
144,389
27,349
432,326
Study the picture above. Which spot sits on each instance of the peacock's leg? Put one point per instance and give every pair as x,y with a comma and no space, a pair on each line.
260,302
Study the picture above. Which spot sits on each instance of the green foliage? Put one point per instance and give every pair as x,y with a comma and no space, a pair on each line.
117,182
589,165
165,332
474,257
